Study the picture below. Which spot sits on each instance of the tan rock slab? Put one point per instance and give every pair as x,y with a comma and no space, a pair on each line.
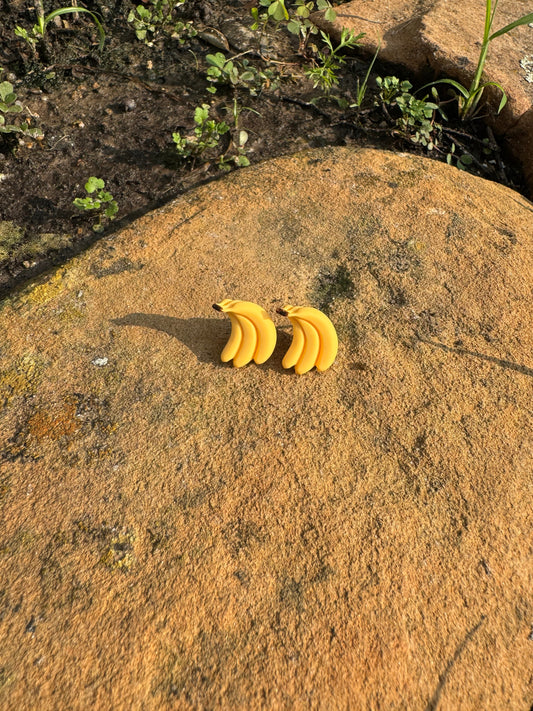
445,36
179,534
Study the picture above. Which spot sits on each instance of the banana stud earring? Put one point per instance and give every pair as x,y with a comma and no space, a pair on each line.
314,339
253,333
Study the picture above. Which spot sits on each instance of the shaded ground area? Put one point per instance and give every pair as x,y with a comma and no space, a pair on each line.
111,114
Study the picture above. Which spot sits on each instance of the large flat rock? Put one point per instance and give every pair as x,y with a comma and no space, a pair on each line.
179,534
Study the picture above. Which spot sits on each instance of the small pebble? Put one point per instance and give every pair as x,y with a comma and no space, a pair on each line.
100,362
130,105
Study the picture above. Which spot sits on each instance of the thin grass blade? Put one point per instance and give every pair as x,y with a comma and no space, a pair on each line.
71,10
525,20
500,87
460,88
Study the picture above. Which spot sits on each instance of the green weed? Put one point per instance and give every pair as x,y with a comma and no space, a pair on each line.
297,18
361,88
206,134
9,104
102,202
323,74
38,31
238,74
416,120
150,21
468,98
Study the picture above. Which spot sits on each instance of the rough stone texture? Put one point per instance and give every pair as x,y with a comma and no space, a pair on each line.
179,534
445,35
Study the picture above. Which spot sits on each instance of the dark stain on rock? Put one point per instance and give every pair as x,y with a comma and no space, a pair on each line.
117,267
397,297
429,323
402,260
5,486
291,594
419,445
368,227
114,544
456,227
358,365
331,286
240,535
15,447
159,535
505,246
243,576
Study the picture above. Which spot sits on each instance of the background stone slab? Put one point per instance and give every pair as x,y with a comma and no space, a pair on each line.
443,37
176,533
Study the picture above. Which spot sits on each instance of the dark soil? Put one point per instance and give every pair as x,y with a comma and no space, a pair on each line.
111,114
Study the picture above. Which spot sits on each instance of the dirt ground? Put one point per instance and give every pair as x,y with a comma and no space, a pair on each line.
112,113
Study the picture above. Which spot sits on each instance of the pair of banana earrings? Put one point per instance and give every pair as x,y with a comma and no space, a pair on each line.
253,336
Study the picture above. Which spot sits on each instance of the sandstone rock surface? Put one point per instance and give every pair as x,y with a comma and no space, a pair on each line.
445,36
179,534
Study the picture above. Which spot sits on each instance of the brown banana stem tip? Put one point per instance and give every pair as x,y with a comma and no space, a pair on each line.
217,307
282,312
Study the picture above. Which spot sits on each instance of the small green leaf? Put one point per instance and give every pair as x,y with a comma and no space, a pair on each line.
94,184
294,27
216,60
278,11
111,210
5,90
525,20
330,15
201,114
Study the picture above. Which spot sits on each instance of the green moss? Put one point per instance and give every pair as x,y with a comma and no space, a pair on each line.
5,487
16,245
6,678
456,228
44,291
19,542
21,378
11,237
330,286
119,553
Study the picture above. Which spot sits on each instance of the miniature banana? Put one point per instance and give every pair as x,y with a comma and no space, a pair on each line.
314,340
253,334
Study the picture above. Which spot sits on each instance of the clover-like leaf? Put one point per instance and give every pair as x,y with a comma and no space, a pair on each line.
94,184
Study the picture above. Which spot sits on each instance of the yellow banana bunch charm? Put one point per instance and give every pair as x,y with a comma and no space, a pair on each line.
314,340
253,334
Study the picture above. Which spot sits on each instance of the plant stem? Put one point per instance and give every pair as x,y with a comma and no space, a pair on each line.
474,95
39,13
